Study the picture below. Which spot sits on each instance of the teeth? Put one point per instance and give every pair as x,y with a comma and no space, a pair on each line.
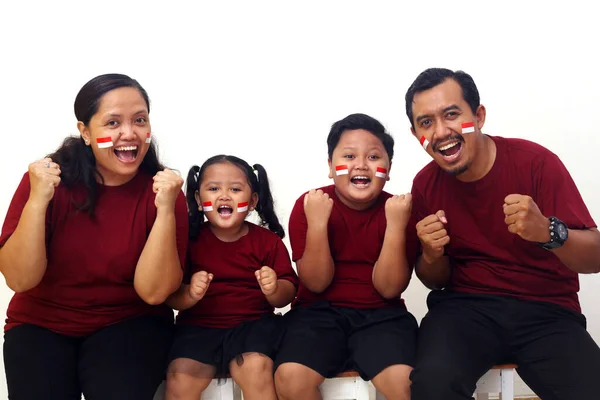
448,146
361,177
126,148
224,207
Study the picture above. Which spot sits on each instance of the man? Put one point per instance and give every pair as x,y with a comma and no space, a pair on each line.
505,233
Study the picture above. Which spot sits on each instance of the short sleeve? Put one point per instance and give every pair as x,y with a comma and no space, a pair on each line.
557,194
419,211
15,210
298,227
279,260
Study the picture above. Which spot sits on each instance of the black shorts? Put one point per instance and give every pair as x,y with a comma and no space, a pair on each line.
219,346
331,340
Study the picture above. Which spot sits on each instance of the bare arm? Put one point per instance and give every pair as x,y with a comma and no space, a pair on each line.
581,252
181,299
284,294
391,273
316,268
23,257
158,272
435,274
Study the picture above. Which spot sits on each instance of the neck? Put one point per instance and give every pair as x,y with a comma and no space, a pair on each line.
484,160
112,179
231,234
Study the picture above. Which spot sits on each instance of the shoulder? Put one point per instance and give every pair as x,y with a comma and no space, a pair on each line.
261,233
329,189
522,147
425,175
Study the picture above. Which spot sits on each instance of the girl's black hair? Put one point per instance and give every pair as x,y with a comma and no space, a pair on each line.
260,185
76,160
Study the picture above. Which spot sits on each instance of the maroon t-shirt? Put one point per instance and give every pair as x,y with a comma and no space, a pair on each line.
355,241
88,282
234,295
486,257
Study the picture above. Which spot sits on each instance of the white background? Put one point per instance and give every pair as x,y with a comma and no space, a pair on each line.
265,80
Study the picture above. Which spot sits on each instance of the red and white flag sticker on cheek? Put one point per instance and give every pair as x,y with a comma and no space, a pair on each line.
104,142
381,172
148,137
424,142
341,170
468,127
242,206
207,206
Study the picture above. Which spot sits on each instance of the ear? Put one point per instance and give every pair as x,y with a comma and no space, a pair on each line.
412,130
84,132
330,170
253,201
480,116
387,178
197,197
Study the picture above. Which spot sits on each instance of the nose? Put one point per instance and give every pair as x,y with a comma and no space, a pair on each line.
360,163
224,196
441,131
128,132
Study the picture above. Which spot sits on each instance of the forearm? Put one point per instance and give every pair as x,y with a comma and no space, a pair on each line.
181,299
315,268
581,252
434,275
158,273
391,273
23,257
285,293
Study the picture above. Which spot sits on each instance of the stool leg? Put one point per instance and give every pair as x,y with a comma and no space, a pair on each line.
482,396
507,382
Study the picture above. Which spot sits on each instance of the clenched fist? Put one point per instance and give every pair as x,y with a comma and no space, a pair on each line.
199,284
167,186
267,279
317,207
433,236
524,218
44,177
398,208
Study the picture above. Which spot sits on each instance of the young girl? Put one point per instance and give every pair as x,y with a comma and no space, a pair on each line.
239,273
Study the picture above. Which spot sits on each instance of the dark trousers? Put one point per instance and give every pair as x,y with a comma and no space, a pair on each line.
123,361
463,335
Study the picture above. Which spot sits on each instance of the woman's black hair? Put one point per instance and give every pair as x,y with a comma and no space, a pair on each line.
76,160
258,184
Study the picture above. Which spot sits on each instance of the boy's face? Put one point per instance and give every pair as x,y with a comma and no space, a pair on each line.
360,167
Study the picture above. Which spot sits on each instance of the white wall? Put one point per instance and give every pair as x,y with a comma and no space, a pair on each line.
265,80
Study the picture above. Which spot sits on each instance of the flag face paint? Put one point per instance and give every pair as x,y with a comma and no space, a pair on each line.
341,170
424,142
148,137
242,206
104,142
207,206
468,127
381,172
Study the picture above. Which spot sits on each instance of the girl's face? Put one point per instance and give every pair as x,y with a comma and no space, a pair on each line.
225,195
117,134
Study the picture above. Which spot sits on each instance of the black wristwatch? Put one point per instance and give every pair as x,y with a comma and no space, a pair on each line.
558,234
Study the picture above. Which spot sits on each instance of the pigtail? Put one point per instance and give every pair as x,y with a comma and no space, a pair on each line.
195,216
265,207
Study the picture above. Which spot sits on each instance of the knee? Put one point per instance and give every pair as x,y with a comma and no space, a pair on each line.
436,381
178,385
293,380
256,370
394,382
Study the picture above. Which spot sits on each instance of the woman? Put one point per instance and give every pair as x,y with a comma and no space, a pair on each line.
92,244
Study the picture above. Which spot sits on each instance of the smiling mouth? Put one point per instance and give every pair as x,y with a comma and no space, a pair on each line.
225,211
450,151
360,181
126,154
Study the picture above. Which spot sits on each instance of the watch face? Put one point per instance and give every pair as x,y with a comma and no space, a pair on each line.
562,231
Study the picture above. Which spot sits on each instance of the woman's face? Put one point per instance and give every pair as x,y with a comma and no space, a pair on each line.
118,134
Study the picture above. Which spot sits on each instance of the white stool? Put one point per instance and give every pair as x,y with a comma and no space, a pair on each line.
499,379
225,390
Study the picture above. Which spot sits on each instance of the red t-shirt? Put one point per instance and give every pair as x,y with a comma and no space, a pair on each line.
486,257
355,241
88,282
234,295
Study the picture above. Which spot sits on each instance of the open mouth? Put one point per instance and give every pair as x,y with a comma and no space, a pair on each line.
225,211
360,181
450,151
126,154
